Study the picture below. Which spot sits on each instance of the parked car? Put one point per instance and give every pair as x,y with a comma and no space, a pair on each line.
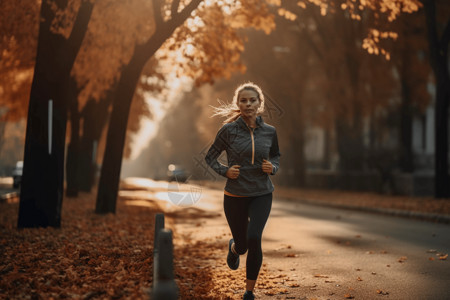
17,174
176,173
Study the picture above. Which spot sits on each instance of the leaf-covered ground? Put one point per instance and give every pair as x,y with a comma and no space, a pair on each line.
90,256
366,199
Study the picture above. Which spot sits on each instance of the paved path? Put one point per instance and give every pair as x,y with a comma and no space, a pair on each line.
357,254
339,254
335,253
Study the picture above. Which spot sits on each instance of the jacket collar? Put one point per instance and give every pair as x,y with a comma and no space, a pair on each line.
259,122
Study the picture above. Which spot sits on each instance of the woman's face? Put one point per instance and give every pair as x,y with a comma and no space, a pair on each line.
248,103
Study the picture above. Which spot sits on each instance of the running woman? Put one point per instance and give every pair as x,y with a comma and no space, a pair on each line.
253,154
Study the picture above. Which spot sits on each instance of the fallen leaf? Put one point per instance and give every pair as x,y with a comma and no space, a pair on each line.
402,259
348,296
381,292
291,255
443,257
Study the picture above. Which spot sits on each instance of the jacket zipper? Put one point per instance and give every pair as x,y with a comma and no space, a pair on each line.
253,145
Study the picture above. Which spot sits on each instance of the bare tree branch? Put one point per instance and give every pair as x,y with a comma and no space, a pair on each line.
157,13
430,12
312,44
174,8
80,26
319,28
445,39
179,18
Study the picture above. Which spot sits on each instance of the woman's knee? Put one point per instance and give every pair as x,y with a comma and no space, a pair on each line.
254,241
240,249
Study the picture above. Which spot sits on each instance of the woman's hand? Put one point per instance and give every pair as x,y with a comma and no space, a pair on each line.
233,172
267,166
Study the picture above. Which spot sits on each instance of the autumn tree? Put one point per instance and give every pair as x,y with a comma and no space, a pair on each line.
438,33
437,24
207,61
58,45
19,26
408,56
284,78
335,36
95,76
110,173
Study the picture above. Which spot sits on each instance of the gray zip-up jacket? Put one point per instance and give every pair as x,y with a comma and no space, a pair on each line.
246,147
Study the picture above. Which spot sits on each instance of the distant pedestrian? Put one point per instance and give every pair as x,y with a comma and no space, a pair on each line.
253,154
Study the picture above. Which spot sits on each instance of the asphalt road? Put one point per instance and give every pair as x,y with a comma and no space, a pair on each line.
339,253
335,253
332,253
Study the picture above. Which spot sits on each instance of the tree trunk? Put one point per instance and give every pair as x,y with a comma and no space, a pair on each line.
406,153
95,116
73,149
299,160
43,173
349,146
326,162
442,180
42,180
406,59
112,160
439,62
3,123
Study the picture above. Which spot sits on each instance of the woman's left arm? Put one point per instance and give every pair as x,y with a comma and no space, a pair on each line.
274,154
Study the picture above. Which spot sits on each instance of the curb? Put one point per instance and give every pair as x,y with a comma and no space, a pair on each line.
430,217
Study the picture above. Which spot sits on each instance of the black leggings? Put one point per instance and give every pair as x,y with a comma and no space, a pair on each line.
247,217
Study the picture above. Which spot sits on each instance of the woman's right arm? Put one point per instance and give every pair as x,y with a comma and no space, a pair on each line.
220,144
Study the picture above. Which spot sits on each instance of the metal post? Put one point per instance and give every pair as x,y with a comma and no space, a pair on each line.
159,224
165,287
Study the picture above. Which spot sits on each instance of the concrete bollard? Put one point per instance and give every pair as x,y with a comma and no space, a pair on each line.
164,285
159,224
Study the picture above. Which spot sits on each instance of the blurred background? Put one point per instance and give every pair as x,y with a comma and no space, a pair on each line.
349,85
